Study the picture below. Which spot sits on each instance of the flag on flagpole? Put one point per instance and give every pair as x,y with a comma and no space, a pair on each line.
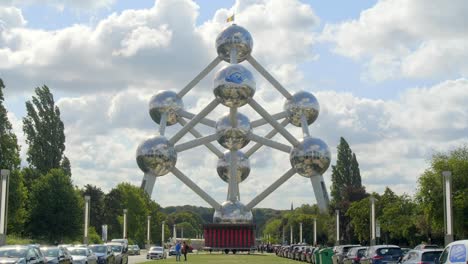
230,19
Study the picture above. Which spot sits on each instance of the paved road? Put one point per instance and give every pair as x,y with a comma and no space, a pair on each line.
139,258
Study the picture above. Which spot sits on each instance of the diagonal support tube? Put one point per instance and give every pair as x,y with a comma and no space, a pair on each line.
148,182
268,76
270,189
260,110
194,121
270,143
204,121
186,180
199,77
261,122
305,126
196,142
162,125
320,191
197,134
270,135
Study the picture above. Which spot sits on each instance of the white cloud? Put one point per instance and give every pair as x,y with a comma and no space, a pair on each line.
399,38
11,17
84,5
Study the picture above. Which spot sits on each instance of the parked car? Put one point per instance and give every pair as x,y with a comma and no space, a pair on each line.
156,253
104,253
382,254
56,255
120,252
422,256
172,251
133,250
27,254
340,253
425,246
455,252
305,252
298,252
82,255
354,255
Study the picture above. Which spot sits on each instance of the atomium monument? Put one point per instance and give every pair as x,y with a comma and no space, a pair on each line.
234,87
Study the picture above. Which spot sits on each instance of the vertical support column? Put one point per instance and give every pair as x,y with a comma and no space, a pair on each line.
124,234
5,174
174,232
300,233
447,180
86,218
182,232
163,225
372,220
337,227
148,232
283,235
290,235
315,231
104,233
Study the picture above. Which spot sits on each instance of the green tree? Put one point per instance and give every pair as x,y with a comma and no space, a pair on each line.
9,148
44,131
66,166
359,213
430,194
17,198
56,208
97,206
346,187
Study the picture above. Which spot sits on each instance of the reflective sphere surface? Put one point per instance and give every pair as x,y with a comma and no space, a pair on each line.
311,157
233,138
232,213
224,166
234,85
156,155
165,102
302,103
234,36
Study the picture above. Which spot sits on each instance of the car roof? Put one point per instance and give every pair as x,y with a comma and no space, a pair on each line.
15,246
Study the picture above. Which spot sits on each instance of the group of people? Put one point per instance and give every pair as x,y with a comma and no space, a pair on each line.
181,248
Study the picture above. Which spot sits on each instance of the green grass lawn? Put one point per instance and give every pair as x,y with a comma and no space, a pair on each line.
229,259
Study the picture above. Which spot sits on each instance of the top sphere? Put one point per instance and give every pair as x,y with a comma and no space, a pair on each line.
165,102
302,103
237,37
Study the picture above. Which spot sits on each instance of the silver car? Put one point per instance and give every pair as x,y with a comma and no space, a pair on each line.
82,255
423,256
120,253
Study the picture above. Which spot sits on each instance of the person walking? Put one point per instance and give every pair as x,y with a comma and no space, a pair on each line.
185,249
177,249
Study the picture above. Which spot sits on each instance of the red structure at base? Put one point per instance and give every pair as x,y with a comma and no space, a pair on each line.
229,236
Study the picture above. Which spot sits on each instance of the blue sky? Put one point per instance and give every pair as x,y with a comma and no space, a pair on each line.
390,76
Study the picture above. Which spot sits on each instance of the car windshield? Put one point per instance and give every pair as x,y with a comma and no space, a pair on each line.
78,252
116,248
156,249
99,249
50,252
431,256
389,252
13,252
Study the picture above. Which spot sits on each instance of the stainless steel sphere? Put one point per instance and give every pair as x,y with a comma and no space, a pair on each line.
237,37
156,155
233,138
224,166
311,157
234,85
165,102
302,103
232,213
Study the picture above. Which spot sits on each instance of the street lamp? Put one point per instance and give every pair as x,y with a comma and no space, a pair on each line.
372,220
315,231
86,218
337,227
124,235
300,232
448,213
148,231
4,205
162,232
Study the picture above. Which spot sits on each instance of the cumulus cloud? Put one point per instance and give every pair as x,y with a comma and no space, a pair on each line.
84,5
398,38
11,17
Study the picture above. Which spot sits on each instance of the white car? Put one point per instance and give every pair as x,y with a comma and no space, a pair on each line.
82,255
455,253
156,253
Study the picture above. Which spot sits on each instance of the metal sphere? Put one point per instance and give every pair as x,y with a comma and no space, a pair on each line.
302,103
156,155
237,37
311,157
233,138
224,166
232,213
165,102
234,85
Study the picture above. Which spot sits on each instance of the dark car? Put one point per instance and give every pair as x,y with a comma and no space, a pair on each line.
172,251
382,254
120,252
340,253
20,254
104,253
424,256
56,255
354,255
